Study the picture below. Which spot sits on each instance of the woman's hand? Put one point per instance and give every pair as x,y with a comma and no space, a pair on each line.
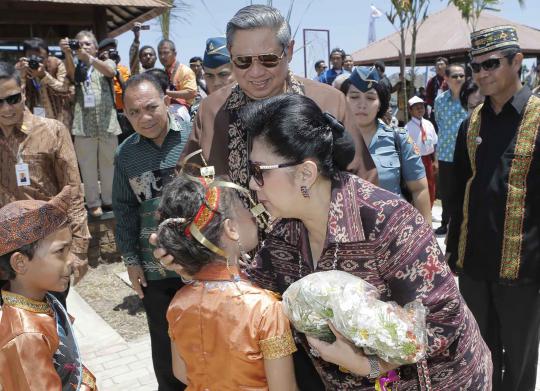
342,352
160,253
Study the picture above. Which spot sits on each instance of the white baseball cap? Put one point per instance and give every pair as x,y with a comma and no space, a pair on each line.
414,100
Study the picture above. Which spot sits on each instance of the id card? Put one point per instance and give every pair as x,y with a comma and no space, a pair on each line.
39,111
89,101
23,174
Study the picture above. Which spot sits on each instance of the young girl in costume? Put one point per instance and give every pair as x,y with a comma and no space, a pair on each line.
226,333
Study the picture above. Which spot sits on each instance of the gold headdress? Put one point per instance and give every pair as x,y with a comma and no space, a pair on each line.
210,205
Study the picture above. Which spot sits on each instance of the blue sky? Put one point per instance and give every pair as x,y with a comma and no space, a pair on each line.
347,21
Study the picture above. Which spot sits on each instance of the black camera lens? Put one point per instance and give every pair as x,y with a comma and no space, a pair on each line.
74,44
34,61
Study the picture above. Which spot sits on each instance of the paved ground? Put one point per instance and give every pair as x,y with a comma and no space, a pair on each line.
117,364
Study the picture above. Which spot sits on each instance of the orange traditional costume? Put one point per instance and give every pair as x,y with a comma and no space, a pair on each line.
38,350
224,328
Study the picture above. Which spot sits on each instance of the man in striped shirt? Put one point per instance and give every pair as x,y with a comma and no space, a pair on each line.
144,164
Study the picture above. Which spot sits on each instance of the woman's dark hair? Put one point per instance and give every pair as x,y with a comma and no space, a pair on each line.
35,44
182,198
382,92
6,271
297,129
467,89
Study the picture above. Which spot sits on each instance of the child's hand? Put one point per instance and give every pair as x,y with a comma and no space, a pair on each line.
160,253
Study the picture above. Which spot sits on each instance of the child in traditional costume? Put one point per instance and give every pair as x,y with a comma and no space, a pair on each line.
38,350
226,333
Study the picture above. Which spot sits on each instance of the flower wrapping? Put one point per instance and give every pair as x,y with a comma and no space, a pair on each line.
395,334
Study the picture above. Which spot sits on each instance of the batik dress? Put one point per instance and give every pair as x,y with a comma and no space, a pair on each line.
382,239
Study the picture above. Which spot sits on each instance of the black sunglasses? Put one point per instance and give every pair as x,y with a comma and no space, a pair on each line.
458,76
256,170
267,60
488,65
12,99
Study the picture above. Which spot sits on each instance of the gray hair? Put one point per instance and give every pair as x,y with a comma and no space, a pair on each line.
8,72
259,16
166,41
87,34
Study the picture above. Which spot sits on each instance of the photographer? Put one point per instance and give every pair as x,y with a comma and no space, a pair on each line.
108,49
95,125
49,93
145,57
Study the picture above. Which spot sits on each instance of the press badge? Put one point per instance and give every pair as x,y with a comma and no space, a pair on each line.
39,111
89,100
23,174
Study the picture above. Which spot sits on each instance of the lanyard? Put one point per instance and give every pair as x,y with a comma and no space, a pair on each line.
88,77
37,86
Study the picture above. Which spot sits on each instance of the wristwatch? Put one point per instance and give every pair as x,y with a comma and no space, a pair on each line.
375,369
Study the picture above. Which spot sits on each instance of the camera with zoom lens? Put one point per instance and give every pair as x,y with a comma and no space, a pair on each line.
34,61
74,44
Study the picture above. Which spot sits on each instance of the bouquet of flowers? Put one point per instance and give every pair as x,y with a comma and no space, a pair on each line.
394,333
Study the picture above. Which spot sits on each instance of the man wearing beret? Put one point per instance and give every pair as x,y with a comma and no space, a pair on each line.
40,151
217,64
260,44
494,237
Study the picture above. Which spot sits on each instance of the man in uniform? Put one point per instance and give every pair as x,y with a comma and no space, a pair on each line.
260,44
494,237
217,64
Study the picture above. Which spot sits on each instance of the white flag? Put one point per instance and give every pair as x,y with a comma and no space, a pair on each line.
375,14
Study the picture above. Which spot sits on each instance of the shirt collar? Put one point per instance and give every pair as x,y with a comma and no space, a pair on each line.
172,125
518,101
27,123
217,272
344,219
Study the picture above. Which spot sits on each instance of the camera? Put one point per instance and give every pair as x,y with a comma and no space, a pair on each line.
113,54
74,44
34,61
145,27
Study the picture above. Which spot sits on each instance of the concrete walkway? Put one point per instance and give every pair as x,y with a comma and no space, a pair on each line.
119,365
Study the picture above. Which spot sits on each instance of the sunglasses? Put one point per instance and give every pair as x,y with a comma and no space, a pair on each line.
12,99
457,76
267,60
488,65
257,170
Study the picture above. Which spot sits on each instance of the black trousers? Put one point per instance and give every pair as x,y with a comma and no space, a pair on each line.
445,188
509,320
157,296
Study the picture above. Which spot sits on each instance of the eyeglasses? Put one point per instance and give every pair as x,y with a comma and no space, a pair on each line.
488,65
267,60
457,76
12,99
257,170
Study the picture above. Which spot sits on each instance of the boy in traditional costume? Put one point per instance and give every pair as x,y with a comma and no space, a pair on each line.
38,350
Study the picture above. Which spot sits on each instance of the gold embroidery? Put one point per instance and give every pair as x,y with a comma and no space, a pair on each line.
88,379
472,145
18,301
517,190
277,347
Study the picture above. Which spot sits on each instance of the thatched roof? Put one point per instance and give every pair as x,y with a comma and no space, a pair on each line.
444,33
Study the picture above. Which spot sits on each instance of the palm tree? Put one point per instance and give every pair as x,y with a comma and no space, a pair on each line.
177,13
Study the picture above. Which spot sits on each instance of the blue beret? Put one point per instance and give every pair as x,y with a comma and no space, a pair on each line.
216,53
363,78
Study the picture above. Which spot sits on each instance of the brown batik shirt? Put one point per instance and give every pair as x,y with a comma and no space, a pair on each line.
46,146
